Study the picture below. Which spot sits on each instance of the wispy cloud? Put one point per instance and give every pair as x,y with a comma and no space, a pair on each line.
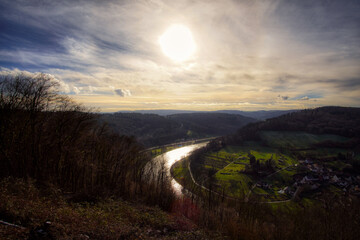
123,92
305,98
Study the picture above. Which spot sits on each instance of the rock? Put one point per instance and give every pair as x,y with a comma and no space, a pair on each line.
42,232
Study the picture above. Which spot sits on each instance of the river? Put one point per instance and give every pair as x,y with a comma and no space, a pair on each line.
173,156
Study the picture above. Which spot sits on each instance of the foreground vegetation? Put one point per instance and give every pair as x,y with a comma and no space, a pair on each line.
46,137
31,208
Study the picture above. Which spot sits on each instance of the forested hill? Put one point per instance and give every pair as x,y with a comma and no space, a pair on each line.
343,121
211,123
153,130
260,115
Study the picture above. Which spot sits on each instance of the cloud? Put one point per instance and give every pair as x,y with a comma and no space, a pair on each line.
5,72
122,92
305,98
76,90
248,51
310,96
62,87
352,84
284,98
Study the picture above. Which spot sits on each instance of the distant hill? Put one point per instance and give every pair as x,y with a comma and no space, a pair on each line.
161,112
211,123
260,115
153,130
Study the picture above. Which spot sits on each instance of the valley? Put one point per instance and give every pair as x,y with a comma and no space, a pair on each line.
180,120
155,130
276,166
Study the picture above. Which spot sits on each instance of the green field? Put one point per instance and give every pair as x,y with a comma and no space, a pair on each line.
230,163
235,184
179,170
231,170
181,174
240,154
233,180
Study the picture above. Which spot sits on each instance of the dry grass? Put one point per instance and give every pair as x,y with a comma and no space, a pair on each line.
23,204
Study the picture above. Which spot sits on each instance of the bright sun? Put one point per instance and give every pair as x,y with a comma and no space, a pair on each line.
177,43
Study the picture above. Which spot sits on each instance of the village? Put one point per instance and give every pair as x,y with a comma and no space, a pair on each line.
315,178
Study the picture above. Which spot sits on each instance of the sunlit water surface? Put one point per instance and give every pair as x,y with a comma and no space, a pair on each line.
173,156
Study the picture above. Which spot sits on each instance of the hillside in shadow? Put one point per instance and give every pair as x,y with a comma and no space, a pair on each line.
154,130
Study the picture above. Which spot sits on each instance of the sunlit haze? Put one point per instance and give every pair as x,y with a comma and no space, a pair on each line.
177,43
189,55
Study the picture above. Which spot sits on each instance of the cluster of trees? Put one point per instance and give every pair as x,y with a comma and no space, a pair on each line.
331,120
47,137
257,167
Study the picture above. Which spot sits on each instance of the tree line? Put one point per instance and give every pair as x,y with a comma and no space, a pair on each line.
48,137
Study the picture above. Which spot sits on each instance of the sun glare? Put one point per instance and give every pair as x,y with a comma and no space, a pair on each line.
177,43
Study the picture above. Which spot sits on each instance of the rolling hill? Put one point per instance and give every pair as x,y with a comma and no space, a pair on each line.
342,121
260,115
153,130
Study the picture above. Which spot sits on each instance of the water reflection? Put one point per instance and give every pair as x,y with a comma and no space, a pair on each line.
173,156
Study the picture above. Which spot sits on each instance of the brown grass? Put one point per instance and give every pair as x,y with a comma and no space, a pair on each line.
22,203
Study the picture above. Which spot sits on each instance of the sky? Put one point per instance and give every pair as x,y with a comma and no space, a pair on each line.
250,54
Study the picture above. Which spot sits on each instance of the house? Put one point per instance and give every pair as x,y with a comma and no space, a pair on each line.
343,184
307,161
263,185
282,191
289,191
318,168
314,186
308,179
348,179
334,179
324,177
